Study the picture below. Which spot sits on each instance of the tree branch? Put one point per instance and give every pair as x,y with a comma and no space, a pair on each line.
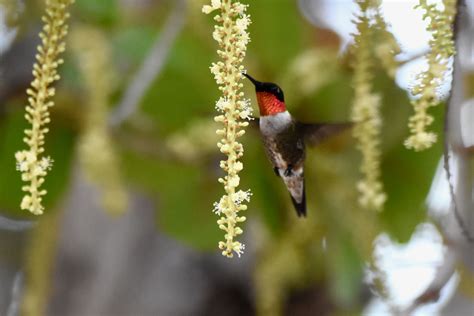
16,295
453,136
443,274
14,225
152,66
456,229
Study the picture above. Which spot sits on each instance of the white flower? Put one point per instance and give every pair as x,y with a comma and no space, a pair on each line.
238,248
25,202
240,8
242,23
238,166
215,4
46,163
216,35
241,196
223,104
234,181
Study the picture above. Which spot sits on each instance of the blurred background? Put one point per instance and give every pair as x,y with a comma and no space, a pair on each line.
128,227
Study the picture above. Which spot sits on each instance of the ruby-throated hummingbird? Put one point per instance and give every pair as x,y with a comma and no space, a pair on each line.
285,139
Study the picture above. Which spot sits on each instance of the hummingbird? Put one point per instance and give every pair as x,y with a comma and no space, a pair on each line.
285,139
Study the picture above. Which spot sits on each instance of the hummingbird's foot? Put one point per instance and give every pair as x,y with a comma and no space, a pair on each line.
277,171
288,170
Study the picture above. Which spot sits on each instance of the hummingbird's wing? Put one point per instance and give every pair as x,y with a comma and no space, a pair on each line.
316,133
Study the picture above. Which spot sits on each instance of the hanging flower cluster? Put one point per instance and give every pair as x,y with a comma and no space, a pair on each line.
29,162
441,49
11,11
96,150
366,113
232,36
386,45
194,142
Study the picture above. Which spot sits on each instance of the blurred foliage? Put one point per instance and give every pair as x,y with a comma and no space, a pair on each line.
184,94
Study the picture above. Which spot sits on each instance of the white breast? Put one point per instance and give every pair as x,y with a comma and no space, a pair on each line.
273,124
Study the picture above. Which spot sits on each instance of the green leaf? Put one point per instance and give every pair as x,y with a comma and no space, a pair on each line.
406,174
185,89
132,43
104,12
277,34
346,271
184,194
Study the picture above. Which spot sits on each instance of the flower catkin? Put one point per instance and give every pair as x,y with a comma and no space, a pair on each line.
366,114
10,10
96,151
30,162
386,45
194,142
232,37
441,49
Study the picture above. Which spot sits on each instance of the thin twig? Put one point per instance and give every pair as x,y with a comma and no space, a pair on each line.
152,65
15,225
433,291
409,59
457,214
16,295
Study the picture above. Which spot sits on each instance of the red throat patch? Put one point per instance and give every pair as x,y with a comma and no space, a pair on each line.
269,104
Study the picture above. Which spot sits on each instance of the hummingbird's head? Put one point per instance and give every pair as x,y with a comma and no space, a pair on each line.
270,97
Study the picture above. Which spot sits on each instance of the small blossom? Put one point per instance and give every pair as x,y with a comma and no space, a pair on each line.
242,24
370,197
241,196
234,181
239,249
238,166
223,104
215,4
218,207
421,141
240,8
26,203
46,163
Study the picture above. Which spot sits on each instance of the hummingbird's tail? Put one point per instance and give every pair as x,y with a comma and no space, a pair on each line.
301,206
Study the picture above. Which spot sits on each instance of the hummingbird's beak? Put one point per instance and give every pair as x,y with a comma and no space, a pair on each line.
255,82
